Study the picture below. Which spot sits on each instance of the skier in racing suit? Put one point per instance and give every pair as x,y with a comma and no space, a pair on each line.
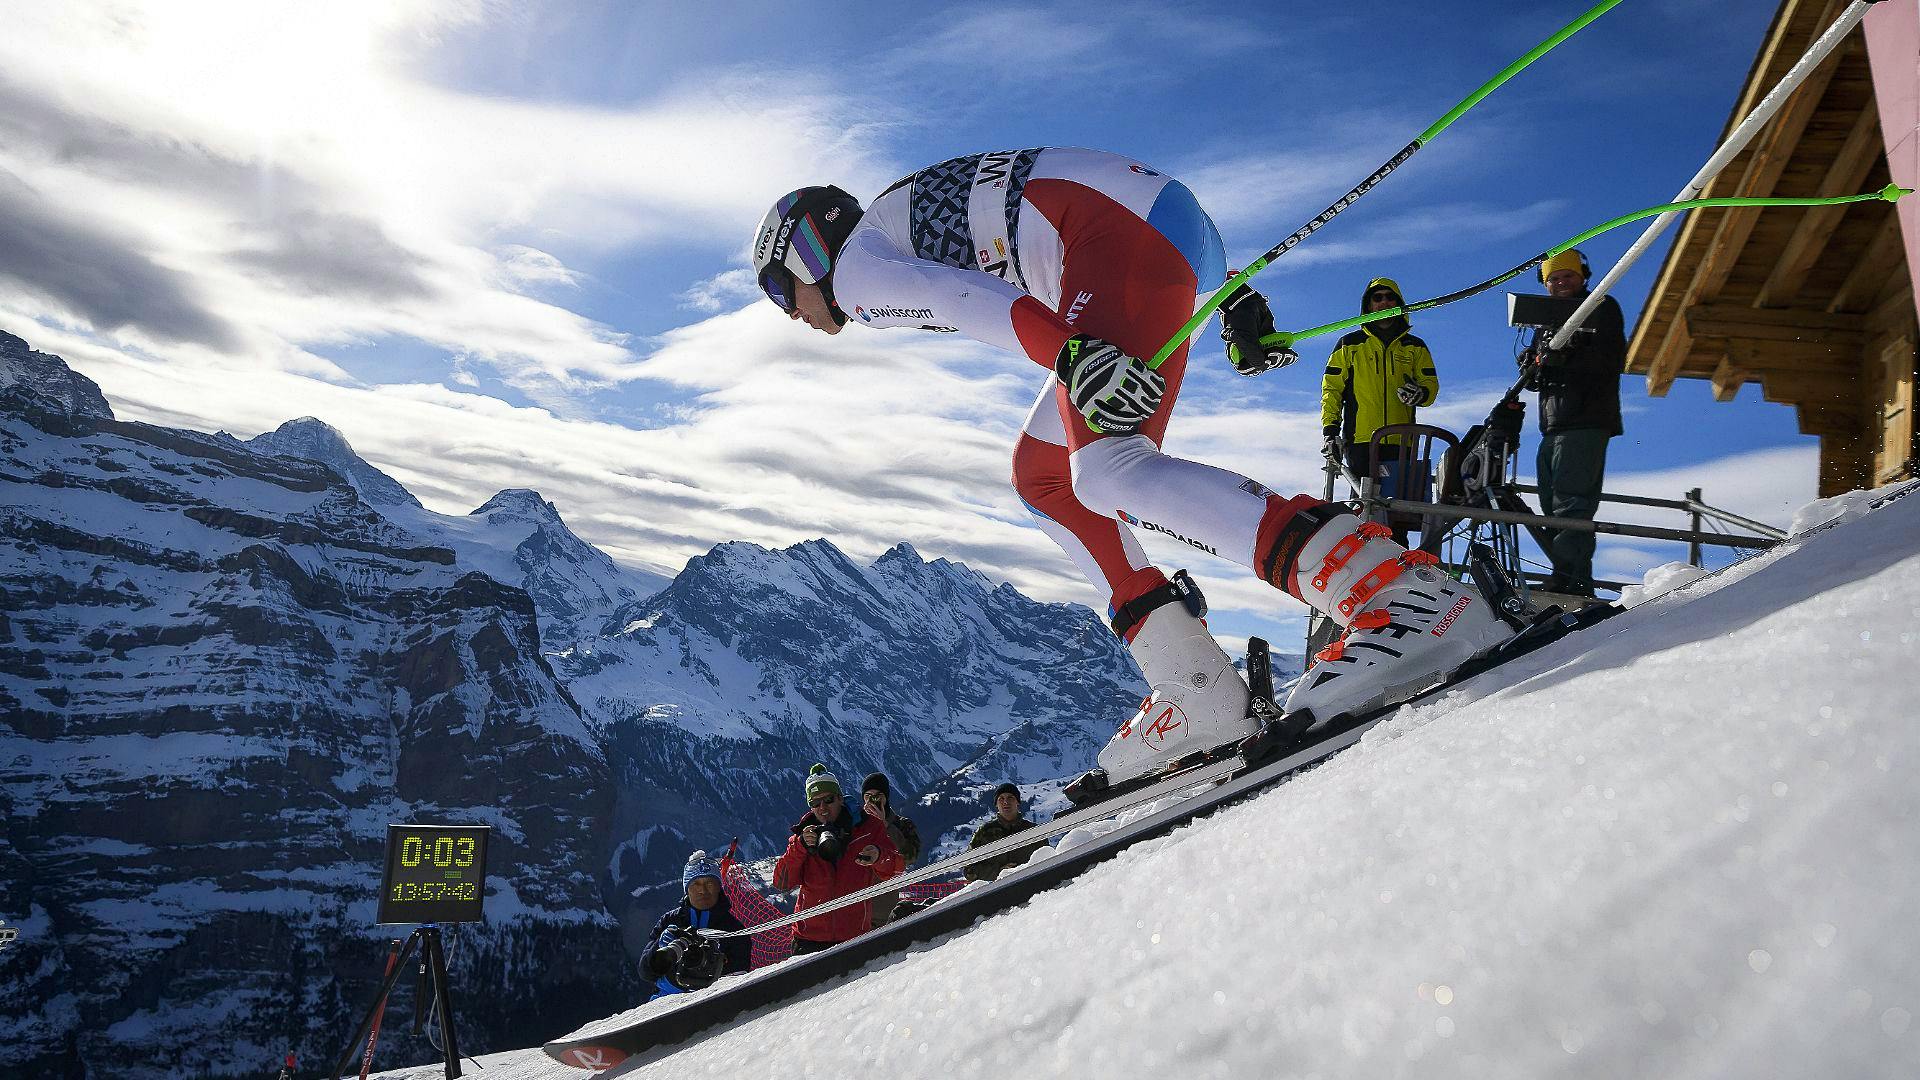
1085,262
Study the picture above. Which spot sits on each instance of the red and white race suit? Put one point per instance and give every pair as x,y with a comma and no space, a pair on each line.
1023,249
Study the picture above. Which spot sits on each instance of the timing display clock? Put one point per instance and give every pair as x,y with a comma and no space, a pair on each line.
434,874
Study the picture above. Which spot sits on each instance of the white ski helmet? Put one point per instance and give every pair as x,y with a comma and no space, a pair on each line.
799,241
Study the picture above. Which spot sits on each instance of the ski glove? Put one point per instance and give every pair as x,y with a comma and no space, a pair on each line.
1114,391
1245,319
1330,444
1410,394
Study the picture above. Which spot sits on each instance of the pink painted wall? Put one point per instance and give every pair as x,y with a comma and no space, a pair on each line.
1893,51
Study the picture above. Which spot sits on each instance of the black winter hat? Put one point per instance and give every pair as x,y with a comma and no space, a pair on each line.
876,782
1005,789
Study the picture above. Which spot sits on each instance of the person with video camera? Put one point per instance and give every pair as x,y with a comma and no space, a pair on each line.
680,959
835,850
1579,389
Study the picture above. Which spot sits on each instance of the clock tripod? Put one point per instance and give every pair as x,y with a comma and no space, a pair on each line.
432,986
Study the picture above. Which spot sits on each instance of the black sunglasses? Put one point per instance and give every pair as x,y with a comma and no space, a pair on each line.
822,800
1378,293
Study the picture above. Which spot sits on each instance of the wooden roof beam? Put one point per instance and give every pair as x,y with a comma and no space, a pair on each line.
1678,343
1809,241
1728,377
1735,225
1876,264
1828,422
1823,391
1764,170
1761,356
1775,324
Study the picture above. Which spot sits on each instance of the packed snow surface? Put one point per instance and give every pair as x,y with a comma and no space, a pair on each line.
1685,844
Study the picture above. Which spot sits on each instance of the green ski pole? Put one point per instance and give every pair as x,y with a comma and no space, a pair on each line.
1890,193
1213,303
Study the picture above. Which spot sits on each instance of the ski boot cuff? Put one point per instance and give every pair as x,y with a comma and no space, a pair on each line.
1284,530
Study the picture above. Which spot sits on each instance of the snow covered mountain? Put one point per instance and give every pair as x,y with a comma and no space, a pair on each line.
225,665
66,390
222,673
1679,844
312,439
716,694
516,537
756,663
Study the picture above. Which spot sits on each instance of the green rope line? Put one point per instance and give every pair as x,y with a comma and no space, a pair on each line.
1890,193
1213,302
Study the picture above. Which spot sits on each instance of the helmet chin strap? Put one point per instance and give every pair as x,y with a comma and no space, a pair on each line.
825,286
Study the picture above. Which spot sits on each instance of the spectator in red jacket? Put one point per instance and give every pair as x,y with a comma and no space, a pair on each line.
835,850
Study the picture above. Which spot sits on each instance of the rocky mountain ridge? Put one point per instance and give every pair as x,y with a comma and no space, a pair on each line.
222,673
226,664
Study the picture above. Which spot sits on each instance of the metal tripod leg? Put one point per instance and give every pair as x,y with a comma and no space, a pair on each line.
396,962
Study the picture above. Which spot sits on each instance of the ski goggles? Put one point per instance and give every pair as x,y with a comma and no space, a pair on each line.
777,282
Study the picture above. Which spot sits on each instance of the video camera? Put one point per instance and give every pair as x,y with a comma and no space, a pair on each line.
1489,447
687,960
1548,313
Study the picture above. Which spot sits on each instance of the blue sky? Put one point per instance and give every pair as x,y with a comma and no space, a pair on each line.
502,244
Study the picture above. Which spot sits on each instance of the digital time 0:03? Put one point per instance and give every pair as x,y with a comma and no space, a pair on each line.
446,851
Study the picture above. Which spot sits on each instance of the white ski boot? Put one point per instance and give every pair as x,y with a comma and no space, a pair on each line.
1406,623
1196,701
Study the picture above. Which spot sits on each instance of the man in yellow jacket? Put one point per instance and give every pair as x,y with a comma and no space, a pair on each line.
1378,375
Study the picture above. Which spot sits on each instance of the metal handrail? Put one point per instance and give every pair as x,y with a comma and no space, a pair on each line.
1690,505
1653,532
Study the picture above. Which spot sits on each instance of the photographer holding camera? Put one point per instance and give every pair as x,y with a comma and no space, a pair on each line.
680,959
876,792
835,850
1579,411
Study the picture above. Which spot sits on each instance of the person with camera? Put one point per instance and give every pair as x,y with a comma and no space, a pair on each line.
875,794
677,957
1579,389
1378,375
834,851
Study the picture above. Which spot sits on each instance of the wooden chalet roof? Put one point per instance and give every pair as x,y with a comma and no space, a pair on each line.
1781,295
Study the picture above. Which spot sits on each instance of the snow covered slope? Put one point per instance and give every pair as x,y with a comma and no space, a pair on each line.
1682,848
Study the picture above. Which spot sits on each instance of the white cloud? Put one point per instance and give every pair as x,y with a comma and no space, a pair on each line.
722,289
524,265
1767,485
1434,227
274,180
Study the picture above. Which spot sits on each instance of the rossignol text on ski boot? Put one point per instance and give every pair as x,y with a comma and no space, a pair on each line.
1406,622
